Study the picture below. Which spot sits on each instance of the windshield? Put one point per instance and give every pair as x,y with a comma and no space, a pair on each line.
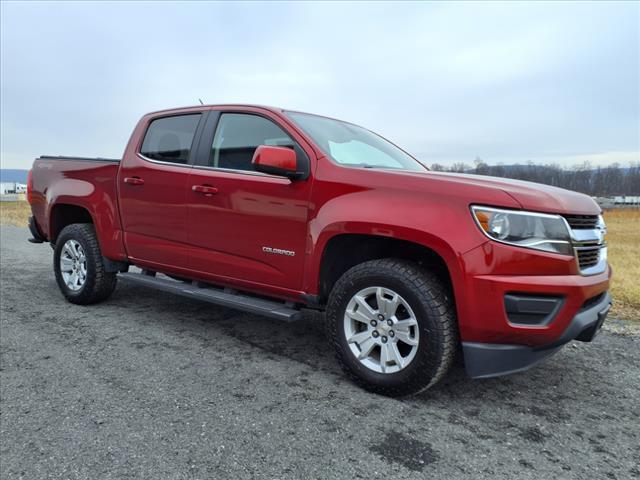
354,146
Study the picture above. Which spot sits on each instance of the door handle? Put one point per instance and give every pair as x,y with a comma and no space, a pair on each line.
134,180
207,190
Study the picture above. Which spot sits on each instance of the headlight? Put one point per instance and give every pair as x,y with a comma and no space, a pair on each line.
539,231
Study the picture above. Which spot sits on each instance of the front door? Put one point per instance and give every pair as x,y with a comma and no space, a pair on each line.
243,224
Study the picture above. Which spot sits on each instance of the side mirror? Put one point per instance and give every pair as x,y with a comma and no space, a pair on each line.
276,161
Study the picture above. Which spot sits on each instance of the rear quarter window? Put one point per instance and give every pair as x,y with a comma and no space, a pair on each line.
169,139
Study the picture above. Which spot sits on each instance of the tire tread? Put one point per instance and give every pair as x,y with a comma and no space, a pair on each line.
103,283
437,301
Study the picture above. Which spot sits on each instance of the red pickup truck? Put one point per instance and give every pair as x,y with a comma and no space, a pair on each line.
271,211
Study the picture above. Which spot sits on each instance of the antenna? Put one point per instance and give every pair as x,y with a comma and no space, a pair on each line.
200,100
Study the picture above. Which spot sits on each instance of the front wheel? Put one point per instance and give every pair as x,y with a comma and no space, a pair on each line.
393,326
78,265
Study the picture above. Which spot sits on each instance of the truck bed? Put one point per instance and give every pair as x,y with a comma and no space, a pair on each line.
66,188
82,159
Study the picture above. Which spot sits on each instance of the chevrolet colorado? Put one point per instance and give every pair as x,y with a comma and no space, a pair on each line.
271,211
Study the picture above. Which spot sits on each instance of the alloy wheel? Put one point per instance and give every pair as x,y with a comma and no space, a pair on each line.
381,329
73,265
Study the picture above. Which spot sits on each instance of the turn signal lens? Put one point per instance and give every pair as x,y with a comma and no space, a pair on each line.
483,219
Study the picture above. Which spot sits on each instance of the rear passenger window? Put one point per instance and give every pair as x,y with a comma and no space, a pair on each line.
169,139
237,137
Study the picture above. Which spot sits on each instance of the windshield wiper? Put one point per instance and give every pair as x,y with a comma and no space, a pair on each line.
368,165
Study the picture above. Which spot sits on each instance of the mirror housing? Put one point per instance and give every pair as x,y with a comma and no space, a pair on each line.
276,161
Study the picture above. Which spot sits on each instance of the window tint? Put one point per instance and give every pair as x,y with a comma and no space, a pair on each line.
169,139
237,137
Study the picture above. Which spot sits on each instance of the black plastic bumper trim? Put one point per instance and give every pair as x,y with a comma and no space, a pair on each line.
36,235
485,360
527,310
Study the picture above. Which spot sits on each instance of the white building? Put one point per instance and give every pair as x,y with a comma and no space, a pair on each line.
12,187
627,200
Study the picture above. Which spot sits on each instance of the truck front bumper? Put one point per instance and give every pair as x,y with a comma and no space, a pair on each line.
484,360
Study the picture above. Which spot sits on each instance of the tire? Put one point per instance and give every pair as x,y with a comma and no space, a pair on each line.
421,301
98,284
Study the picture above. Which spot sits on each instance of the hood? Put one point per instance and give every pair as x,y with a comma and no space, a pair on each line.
531,196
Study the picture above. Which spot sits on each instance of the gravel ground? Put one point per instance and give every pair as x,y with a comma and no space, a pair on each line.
148,385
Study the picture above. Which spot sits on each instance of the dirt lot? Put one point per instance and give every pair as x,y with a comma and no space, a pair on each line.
148,385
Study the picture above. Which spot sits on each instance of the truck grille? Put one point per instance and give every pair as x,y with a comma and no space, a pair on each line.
582,222
588,256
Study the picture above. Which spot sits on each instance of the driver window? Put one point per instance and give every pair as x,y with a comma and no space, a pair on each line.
237,137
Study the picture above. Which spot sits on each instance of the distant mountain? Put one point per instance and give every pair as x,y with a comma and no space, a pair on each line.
13,175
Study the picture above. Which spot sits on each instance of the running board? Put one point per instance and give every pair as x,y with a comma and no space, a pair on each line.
226,298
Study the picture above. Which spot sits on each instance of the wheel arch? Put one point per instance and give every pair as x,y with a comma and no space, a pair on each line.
342,251
64,214
98,210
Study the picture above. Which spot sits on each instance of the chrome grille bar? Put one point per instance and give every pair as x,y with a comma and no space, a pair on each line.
587,237
582,222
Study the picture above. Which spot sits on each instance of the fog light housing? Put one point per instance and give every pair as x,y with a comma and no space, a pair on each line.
531,310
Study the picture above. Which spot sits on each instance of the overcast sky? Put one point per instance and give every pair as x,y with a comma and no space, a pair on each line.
447,81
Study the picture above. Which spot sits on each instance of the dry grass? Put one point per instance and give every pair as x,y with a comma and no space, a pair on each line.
14,213
623,239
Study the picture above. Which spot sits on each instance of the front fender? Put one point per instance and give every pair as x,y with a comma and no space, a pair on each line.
445,228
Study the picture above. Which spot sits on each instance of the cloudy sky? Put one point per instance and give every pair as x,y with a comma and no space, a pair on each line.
448,81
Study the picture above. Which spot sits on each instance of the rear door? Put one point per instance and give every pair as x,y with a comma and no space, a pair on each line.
152,184
253,228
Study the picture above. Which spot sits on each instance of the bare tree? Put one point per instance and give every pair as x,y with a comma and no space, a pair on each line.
459,167
481,167
602,181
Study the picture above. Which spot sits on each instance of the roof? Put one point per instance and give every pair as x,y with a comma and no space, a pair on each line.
244,105
226,105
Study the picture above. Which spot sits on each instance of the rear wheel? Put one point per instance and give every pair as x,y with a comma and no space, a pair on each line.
393,326
77,262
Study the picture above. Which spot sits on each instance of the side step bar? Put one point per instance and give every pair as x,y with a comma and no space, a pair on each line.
207,293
